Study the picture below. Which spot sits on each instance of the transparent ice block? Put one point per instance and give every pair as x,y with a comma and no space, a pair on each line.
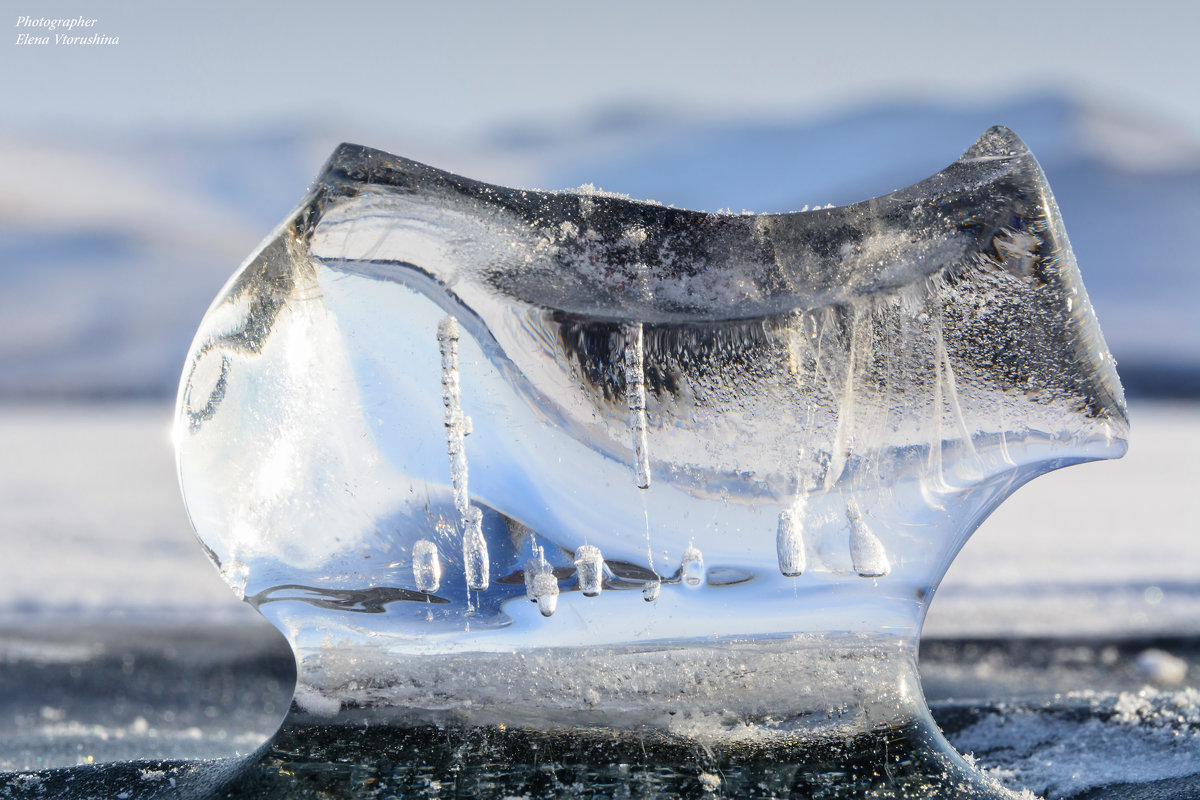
491,456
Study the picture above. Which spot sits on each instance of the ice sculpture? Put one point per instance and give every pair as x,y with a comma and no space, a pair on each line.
545,459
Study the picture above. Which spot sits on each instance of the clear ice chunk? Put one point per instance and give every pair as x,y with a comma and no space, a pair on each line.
786,403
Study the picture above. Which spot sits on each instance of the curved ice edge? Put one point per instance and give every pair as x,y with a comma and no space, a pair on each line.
899,242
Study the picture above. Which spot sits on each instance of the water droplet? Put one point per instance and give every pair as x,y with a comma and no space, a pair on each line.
589,565
427,568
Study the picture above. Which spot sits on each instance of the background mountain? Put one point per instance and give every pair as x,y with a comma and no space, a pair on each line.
110,250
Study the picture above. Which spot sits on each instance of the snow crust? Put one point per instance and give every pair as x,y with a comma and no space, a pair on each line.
1130,737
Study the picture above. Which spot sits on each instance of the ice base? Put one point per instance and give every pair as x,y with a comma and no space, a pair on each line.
786,717
750,690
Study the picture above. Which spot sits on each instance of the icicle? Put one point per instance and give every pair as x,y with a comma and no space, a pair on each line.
635,396
589,566
475,551
650,590
456,424
847,406
427,568
789,541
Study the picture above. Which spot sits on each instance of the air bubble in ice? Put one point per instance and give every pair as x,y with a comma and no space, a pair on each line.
545,592
426,566
691,568
866,551
589,566
650,590
789,540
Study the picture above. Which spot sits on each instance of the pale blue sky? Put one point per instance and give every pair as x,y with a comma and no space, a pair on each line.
455,68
